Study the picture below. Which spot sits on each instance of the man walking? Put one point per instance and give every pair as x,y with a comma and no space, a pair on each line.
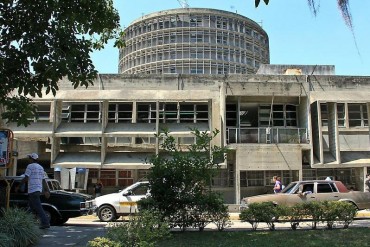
34,175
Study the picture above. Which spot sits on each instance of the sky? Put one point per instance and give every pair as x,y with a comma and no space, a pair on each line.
296,36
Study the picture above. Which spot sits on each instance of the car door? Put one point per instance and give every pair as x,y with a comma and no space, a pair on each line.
128,200
327,192
301,194
18,194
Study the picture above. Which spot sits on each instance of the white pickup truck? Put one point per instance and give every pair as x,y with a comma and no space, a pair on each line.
111,206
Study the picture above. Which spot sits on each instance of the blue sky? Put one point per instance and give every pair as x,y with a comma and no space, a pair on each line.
296,35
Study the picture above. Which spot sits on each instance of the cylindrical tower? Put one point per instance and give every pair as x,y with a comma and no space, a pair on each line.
194,41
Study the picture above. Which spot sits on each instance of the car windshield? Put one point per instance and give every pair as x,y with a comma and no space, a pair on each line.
288,189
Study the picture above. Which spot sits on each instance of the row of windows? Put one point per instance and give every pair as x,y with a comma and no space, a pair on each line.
275,115
211,56
193,68
349,115
121,141
172,112
192,38
169,112
206,21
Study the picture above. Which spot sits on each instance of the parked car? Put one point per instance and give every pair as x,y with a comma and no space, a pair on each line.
313,190
59,207
111,206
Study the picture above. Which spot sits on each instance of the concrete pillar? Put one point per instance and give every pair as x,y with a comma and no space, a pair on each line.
237,183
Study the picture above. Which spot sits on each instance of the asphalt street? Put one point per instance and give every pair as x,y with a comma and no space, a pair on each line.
78,231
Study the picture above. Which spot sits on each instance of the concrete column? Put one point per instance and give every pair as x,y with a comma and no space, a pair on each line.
237,182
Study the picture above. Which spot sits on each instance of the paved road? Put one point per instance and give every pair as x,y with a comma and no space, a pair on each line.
78,231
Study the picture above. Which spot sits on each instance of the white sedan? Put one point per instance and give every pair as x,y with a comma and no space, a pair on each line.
111,206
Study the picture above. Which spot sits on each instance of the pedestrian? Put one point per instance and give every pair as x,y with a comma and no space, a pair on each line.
98,188
34,176
278,186
367,183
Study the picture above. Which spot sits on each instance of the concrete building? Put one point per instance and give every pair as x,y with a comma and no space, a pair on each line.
194,41
295,121
295,126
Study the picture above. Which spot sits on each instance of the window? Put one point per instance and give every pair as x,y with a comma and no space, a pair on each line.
195,21
196,70
341,115
81,112
231,115
221,39
108,177
173,38
125,178
225,178
221,23
120,112
282,115
42,113
142,189
193,54
193,37
252,178
357,115
325,188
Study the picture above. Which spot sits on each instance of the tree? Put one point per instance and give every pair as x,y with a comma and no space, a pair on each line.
343,5
44,41
180,182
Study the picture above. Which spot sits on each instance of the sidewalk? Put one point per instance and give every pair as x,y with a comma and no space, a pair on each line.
70,235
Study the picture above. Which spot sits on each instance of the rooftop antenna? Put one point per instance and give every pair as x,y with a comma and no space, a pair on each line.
184,3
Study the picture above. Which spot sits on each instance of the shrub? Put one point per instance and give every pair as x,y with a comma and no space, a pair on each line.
103,242
210,208
18,228
338,211
145,229
346,213
314,211
260,212
5,240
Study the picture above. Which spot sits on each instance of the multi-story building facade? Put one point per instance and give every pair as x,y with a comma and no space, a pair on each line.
193,41
295,126
298,122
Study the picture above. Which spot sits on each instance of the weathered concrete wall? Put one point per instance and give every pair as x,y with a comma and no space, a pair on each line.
269,157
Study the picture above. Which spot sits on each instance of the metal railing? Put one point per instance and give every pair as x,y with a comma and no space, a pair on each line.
267,135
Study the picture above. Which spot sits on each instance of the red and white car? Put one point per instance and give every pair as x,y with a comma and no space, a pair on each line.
111,206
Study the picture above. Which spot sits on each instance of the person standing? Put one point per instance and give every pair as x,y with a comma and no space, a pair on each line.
278,186
98,188
367,183
34,176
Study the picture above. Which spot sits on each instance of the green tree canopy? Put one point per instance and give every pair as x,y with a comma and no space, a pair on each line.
180,179
43,41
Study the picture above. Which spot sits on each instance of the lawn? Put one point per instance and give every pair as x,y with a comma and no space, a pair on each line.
301,238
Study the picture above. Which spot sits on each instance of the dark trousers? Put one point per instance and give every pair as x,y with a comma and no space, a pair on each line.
36,207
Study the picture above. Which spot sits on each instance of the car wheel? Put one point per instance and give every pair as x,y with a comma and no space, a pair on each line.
52,218
107,213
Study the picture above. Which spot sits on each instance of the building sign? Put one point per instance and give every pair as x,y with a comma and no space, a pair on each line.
6,137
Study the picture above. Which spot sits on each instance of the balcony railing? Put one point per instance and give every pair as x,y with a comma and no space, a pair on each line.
267,135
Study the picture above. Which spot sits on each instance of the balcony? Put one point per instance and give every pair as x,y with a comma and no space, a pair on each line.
267,135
